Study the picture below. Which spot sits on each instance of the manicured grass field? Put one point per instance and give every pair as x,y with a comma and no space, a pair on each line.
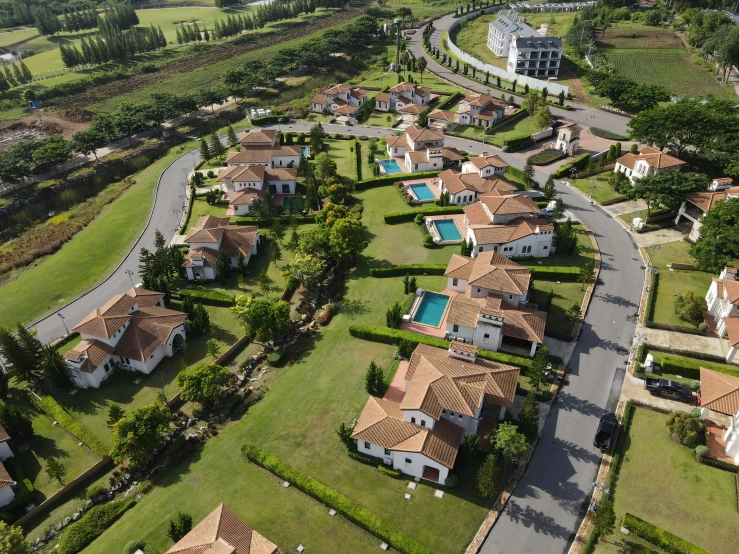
659,355
93,252
379,79
661,482
512,130
676,282
601,190
341,152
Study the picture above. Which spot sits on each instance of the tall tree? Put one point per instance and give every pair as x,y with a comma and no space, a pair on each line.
487,478
16,422
180,526
52,364
668,188
719,242
115,413
139,433
12,540
509,442
56,470
202,383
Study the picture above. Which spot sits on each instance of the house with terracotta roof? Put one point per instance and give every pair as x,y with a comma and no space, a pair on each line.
5,451
442,119
466,187
649,161
480,109
341,100
245,184
520,237
402,95
499,207
719,394
212,235
132,331
698,204
222,532
568,137
486,165
447,395
262,147
422,149
722,300
7,484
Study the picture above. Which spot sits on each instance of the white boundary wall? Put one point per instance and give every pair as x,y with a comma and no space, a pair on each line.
552,86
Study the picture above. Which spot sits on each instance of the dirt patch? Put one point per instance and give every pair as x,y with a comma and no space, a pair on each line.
642,39
39,124
77,115
192,63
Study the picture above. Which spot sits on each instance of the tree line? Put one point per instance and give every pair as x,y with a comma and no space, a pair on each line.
20,75
118,17
717,36
113,46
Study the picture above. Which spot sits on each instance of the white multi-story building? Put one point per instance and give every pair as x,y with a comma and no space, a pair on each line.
722,300
402,95
528,52
340,100
262,147
504,28
446,396
649,161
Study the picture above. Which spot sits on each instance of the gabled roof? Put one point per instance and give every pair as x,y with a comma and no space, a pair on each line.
4,436
655,158
456,182
413,109
150,328
481,162
422,134
210,257
509,232
95,353
261,154
254,137
318,99
5,479
211,222
521,323
347,109
407,87
337,89
719,392
382,97
397,141
732,330
490,270
442,115
707,199
509,204
729,289
222,532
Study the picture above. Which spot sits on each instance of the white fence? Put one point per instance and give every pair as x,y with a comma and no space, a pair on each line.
551,7
551,86
546,133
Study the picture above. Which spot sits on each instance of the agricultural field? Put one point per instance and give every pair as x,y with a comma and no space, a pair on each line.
658,57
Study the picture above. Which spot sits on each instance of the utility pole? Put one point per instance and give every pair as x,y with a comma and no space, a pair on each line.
398,27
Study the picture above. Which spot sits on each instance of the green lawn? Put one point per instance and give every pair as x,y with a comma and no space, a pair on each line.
659,355
511,130
660,482
565,295
600,190
342,152
583,254
675,282
93,253
200,208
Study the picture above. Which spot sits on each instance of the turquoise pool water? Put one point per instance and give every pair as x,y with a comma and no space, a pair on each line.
422,191
447,229
391,166
431,308
289,199
305,151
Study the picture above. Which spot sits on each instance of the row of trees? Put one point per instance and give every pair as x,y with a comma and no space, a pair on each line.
26,359
80,19
117,17
633,96
716,34
113,45
20,75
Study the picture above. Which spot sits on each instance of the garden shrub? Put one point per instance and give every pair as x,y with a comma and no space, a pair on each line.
55,411
579,162
212,298
689,429
388,471
132,546
513,145
418,219
659,537
691,368
95,490
606,134
92,525
701,451
267,221
401,270
334,499
545,157
363,458
428,241
410,215
210,174
394,336
555,273
451,481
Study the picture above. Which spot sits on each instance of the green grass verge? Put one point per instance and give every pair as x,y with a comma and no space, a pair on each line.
599,190
54,410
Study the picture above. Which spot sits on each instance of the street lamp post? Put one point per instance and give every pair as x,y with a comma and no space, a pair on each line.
592,186
130,276
63,322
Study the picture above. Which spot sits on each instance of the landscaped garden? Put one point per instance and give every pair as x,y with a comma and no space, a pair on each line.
506,132
598,188
661,482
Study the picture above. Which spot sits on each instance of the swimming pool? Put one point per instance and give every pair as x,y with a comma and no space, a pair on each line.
288,200
305,151
447,229
422,192
431,308
390,166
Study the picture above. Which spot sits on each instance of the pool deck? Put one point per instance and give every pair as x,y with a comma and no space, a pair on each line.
401,163
457,218
430,330
432,183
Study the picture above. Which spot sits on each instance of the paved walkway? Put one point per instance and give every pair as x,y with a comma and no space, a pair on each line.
672,340
634,390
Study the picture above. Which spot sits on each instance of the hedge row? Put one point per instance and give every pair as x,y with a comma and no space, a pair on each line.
208,297
357,161
545,157
516,144
410,215
268,221
55,411
651,298
659,537
393,178
679,352
401,270
581,161
677,328
623,432
394,336
691,369
718,464
334,499
92,525
451,101
606,134
266,120
555,273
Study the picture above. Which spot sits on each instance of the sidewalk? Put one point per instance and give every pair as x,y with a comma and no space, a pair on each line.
633,389
674,340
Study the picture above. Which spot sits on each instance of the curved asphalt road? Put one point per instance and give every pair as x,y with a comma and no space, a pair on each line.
594,117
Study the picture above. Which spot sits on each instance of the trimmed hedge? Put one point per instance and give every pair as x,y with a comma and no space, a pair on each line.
692,368
401,270
55,411
545,157
606,134
651,298
393,178
389,472
451,101
357,161
581,161
267,221
394,336
554,273
92,525
410,215
516,144
623,432
266,120
208,297
334,499
718,464
659,537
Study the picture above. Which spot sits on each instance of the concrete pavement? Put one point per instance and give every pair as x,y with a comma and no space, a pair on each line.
586,116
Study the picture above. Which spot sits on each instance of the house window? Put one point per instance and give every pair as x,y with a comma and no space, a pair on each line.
455,328
455,282
478,290
510,297
413,420
460,416
272,189
106,367
366,445
480,249
285,189
451,414
546,247
486,336
387,452
408,461
423,423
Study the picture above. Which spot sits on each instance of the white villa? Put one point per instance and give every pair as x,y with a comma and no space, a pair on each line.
490,302
467,187
496,208
262,147
343,101
132,331
7,494
568,138
481,110
209,237
698,204
442,119
402,95
422,148
446,395
719,394
244,184
521,237
648,161
722,301
485,166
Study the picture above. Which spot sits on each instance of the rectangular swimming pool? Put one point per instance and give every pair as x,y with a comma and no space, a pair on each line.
390,166
431,308
305,151
289,200
422,192
447,229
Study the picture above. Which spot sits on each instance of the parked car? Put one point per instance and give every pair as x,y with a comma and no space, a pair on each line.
606,431
668,389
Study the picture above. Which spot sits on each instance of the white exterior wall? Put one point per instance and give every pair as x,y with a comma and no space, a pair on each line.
207,273
426,144
480,292
465,197
432,164
421,419
6,496
5,451
398,459
285,161
461,285
278,186
495,336
464,334
540,245
85,380
469,424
